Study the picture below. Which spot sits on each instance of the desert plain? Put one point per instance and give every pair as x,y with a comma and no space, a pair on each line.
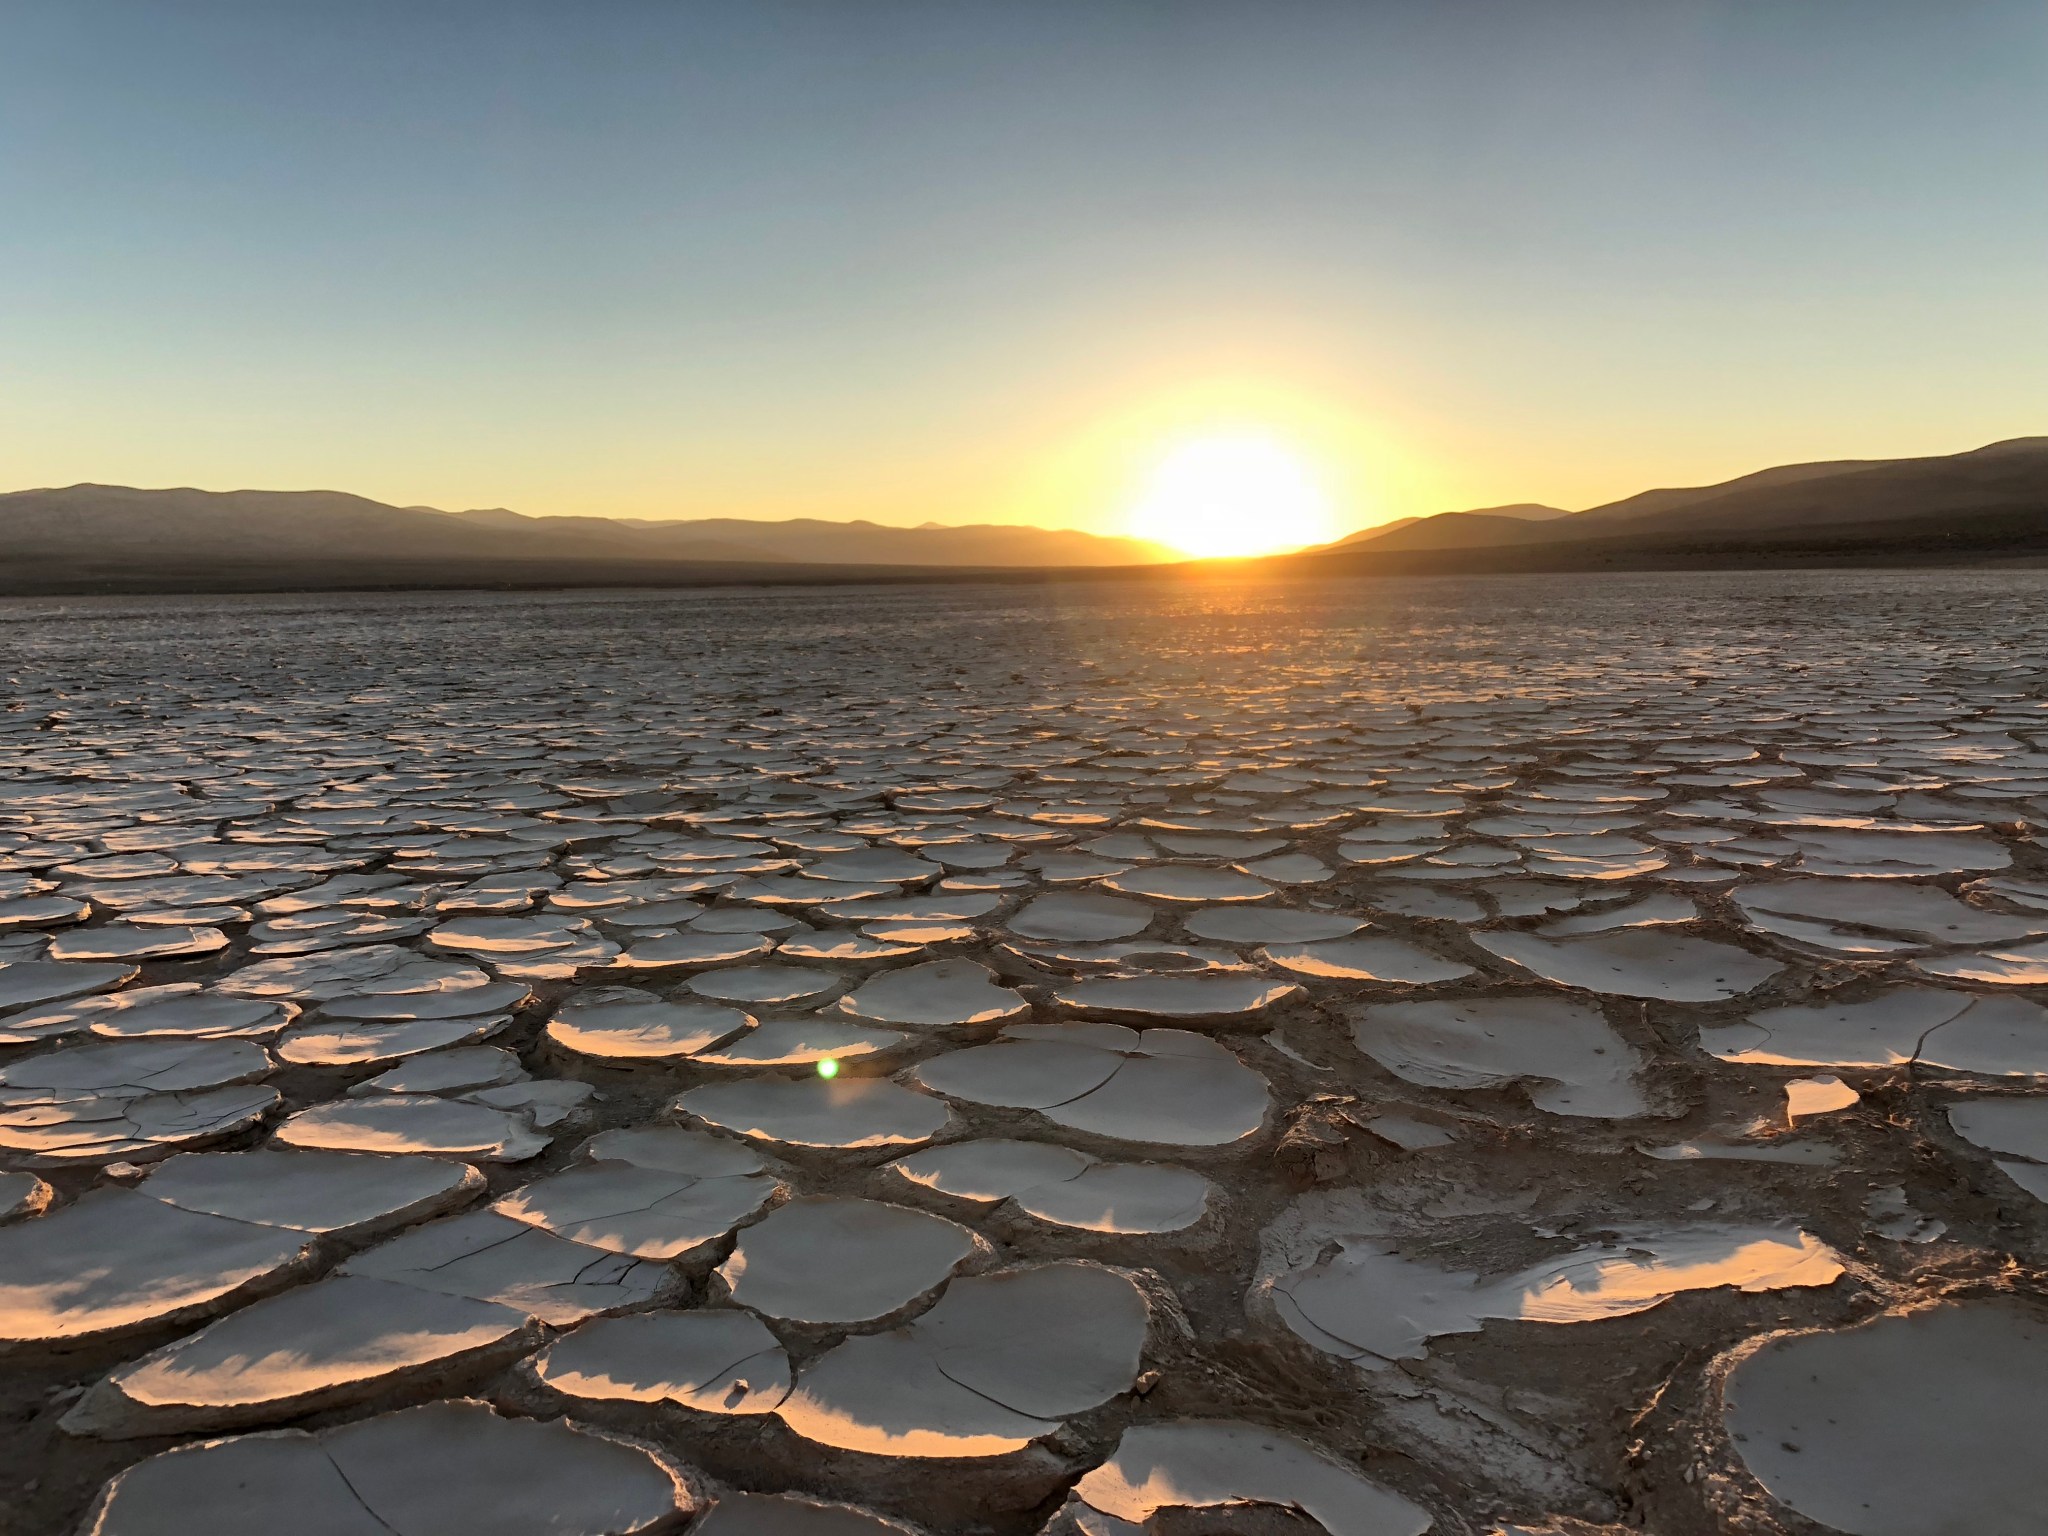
1559,1054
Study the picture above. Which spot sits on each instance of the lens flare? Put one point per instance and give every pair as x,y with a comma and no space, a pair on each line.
828,1068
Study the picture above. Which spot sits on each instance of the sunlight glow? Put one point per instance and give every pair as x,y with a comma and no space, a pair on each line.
1232,493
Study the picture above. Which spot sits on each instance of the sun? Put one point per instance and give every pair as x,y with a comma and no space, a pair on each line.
1232,493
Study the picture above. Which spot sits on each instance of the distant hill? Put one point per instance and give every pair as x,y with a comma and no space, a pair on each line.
2002,477
1845,499
1455,530
1376,531
85,536
818,541
1655,503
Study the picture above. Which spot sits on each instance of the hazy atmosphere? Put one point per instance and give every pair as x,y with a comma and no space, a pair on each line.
980,262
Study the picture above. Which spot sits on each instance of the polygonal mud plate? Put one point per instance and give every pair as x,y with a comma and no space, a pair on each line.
337,1194
1203,1464
2020,965
1883,853
1269,925
178,1009
1080,917
1922,913
438,991
690,950
1571,1058
876,864
40,911
1175,997
129,1069
445,1469
650,1213
1122,1198
936,994
774,986
800,1042
1369,959
500,940
340,1341
491,1257
716,1361
819,1112
835,944
1188,882
114,1261
1163,1086
137,941
1671,967
1062,1186
455,1070
543,1101
334,974
1363,1300
623,1024
2017,1128
996,1364
837,1261
1653,911
349,1043
136,1130
670,1147
1957,1031
992,1170
1913,1424
415,1123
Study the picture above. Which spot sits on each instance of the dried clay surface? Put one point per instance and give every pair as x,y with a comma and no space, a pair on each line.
1517,1057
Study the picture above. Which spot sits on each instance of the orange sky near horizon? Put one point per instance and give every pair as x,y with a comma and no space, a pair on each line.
925,261
1066,468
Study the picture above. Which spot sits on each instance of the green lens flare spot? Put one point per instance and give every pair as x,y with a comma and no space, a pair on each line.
828,1068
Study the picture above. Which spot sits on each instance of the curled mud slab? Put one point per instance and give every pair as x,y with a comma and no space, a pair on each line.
1208,1465
715,1361
992,1367
835,1261
1163,1086
445,1469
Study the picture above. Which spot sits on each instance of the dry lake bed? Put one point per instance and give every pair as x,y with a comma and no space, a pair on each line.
1560,1055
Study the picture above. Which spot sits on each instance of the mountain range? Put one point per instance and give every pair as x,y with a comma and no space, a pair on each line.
1989,503
84,537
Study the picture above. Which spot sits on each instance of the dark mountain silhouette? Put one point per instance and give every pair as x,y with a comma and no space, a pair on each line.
1792,501
109,534
818,541
1376,531
1456,530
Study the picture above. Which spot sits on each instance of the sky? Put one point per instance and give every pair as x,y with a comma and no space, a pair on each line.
967,261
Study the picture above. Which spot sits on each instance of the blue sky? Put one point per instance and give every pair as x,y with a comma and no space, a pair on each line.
913,259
